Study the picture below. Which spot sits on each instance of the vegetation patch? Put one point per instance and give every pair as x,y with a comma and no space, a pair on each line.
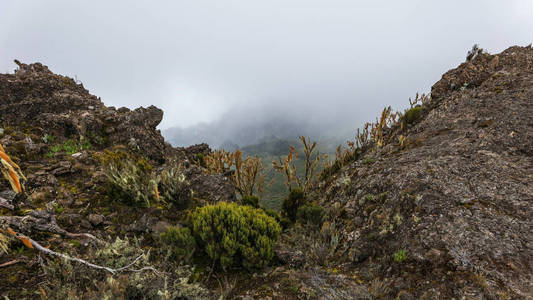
311,214
412,115
252,201
400,256
291,204
69,146
180,242
235,235
174,186
130,179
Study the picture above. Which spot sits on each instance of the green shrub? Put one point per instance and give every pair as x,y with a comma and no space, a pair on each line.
310,214
174,187
235,235
181,242
412,114
272,213
130,180
200,159
400,256
252,201
283,221
291,204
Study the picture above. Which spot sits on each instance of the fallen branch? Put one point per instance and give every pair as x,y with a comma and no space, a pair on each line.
9,263
30,243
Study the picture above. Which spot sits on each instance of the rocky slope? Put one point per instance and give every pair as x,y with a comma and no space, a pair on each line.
458,198
58,133
446,213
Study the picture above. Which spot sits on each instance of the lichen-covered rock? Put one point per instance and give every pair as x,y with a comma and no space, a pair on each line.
46,103
458,198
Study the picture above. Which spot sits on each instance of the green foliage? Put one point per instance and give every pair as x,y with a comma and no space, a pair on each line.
412,115
252,201
400,256
180,241
130,179
235,235
48,138
174,187
70,147
200,159
369,160
272,213
310,214
59,209
291,204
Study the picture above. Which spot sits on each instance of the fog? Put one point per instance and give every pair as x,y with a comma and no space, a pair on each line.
227,66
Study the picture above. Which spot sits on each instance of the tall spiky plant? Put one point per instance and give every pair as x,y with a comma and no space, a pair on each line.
286,166
12,172
248,174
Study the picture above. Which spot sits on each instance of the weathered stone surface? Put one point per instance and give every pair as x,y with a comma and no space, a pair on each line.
459,198
96,219
59,106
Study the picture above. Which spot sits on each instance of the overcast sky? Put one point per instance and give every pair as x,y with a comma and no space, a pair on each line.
198,60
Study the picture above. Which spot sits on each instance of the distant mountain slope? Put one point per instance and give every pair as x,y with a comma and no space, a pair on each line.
238,129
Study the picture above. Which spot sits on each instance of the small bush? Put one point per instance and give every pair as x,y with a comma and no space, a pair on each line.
310,214
252,201
412,114
130,179
200,159
400,256
291,204
174,187
235,235
181,242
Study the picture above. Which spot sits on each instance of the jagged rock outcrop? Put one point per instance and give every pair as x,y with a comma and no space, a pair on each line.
40,110
52,104
458,198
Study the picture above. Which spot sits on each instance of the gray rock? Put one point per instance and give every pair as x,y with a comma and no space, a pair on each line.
96,219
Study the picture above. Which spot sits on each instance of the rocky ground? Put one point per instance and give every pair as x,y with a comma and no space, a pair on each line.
447,213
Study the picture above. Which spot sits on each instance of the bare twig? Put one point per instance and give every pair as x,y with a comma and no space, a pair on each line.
9,263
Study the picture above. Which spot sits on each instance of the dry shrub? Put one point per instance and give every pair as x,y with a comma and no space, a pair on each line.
247,175
286,166
130,179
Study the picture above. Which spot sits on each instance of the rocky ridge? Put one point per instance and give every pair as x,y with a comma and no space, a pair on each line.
445,214
457,198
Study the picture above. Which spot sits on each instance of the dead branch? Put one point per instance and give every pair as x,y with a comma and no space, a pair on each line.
9,263
33,244
84,262
40,221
